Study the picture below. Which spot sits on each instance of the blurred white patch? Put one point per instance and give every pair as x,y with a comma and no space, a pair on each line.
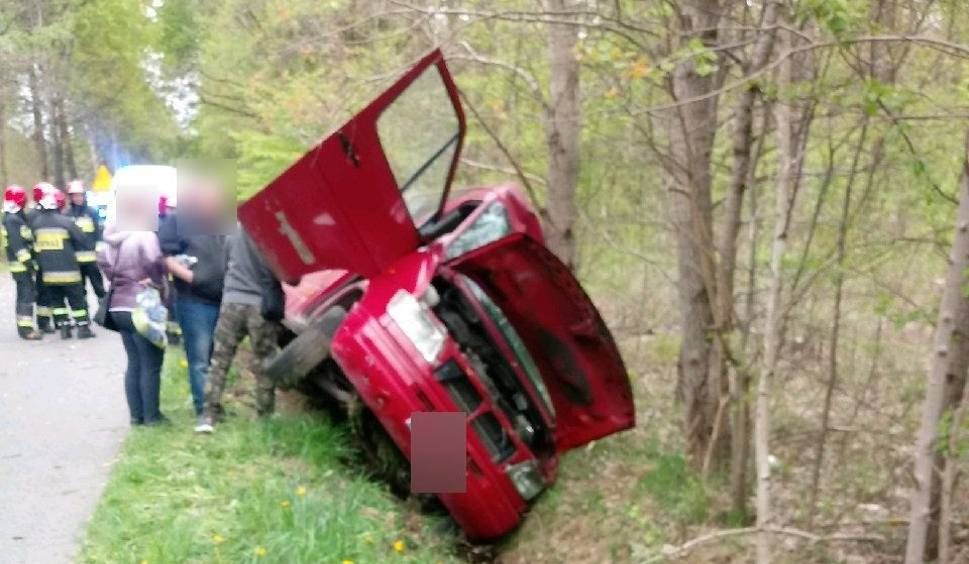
324,219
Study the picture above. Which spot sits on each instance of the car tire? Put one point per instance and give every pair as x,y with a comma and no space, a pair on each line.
306,351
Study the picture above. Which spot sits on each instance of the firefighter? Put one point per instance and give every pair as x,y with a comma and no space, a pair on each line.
88,221
45,317
56,240
19,242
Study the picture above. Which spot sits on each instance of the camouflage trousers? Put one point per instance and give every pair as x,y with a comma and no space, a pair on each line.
236,321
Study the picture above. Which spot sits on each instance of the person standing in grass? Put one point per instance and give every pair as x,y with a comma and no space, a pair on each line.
195,256
249,308
132,260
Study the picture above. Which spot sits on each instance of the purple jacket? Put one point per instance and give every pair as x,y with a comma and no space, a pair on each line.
127,258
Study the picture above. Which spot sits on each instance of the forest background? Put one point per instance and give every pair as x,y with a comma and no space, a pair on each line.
761,197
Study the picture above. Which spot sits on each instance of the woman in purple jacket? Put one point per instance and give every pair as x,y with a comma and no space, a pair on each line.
132,260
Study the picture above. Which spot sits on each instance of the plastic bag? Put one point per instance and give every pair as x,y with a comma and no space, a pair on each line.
150,317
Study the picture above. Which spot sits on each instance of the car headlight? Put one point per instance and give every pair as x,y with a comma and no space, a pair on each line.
526,478
417,325
490,226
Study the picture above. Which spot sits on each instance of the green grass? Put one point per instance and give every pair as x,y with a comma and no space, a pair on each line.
281,490
676,489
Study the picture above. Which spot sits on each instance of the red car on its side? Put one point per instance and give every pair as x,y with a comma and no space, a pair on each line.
410,300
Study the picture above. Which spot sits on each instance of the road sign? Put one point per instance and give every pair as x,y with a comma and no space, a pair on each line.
102,180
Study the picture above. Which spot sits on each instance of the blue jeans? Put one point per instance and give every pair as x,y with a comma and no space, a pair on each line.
142,377
197,320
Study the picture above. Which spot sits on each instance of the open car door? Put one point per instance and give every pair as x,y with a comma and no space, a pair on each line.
567,338
354,201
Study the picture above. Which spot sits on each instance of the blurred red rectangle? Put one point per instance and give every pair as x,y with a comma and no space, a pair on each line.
438,452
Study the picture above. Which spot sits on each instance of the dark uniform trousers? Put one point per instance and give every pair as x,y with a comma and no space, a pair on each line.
26,296
91,273
74,295
45,315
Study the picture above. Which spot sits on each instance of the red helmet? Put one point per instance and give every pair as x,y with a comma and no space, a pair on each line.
42,188
14,199
45,195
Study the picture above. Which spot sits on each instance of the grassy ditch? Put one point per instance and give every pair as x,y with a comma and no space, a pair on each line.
283,490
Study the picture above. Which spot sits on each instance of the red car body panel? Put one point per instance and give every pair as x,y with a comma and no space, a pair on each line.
338,220
564,332
344,197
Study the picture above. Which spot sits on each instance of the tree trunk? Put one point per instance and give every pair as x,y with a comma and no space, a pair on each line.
954,386
3,145
950,359
36,108
692,128
70,165
57,143
562,130
947,487
788,157
743,143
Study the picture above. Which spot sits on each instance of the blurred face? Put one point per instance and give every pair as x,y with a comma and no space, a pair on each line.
77,199
206,199
137,208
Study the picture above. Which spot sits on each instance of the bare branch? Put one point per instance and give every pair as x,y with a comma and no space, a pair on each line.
684,549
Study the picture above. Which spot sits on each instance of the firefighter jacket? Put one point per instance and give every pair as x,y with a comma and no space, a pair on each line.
19,242
56,241
89,223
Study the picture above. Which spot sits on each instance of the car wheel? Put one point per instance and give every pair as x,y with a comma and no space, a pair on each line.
306,351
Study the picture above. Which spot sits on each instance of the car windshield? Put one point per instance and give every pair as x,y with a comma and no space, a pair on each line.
419,134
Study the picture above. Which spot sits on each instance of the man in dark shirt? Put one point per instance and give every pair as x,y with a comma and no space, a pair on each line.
197,262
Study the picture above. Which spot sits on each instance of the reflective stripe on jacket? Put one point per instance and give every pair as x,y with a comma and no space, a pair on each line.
56,241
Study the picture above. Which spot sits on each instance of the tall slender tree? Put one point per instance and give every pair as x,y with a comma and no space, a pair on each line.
949,363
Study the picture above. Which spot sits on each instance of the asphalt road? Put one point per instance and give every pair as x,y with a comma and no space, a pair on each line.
62,419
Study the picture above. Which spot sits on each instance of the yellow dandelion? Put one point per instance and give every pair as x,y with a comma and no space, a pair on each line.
183,363
399,545
218,539
261,551
345,561
143,562
301,491
284,503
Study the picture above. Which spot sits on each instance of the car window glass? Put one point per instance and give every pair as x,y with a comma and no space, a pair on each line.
419,134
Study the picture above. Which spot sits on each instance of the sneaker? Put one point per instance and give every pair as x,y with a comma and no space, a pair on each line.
204,425
84,332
